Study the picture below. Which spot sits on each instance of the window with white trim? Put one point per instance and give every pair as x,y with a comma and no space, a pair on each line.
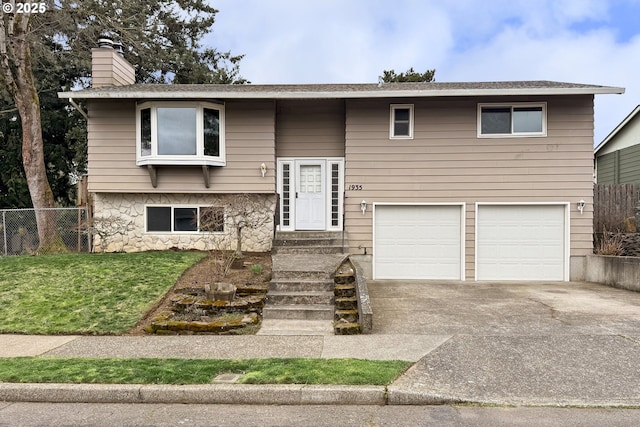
401,121
184,219
180,133
503,120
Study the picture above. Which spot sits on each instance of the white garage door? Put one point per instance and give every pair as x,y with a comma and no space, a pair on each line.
521,242
417,242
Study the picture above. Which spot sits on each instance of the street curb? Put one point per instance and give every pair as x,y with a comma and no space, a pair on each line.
397,396
243,394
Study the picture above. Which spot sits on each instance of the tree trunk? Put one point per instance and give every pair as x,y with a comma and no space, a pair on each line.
238,252
35,169
17,77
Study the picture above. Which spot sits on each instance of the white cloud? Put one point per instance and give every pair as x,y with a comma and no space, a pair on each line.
320,41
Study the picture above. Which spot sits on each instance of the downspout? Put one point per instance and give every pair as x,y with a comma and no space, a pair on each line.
78,108
344,199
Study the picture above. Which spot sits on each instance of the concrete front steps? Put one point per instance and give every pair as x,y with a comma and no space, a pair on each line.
301,297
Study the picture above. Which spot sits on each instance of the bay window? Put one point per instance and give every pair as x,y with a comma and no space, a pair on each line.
180,133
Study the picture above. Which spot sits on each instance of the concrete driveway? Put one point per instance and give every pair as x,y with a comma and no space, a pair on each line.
502,308
533,343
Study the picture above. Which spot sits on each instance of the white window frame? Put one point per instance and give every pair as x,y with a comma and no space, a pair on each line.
392,120
513,134
199,159
173,208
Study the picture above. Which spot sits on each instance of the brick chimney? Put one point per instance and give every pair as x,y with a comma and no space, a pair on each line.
108,66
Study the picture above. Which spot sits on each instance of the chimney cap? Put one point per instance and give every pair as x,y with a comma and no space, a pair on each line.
105,41
119,48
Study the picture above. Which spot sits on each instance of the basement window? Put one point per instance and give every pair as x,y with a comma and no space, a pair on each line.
184,219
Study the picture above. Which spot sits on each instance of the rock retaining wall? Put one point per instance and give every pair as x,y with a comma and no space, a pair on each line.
353,314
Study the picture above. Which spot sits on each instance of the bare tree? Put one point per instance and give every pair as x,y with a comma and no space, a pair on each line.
245,211
106,227
241,212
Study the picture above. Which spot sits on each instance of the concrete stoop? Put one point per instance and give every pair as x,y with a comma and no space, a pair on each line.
301,299
309,242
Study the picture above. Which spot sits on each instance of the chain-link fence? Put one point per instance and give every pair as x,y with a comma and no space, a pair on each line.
19,231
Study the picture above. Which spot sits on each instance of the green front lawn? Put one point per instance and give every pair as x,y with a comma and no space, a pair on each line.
85,293
199,371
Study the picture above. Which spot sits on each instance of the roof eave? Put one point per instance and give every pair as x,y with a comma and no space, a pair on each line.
136,94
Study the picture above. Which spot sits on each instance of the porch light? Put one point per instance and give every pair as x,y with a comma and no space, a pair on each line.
363,206
581,206
263,169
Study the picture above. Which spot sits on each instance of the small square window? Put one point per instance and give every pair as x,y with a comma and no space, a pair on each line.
401,122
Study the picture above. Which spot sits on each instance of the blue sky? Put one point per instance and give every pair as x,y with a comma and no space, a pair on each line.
346,41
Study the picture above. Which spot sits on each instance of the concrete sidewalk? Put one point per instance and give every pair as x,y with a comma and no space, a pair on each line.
495,343
375,347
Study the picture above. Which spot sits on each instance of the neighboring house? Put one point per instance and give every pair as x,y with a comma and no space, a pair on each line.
618,155
452,181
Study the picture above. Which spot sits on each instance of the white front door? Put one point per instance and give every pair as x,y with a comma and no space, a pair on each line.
310,195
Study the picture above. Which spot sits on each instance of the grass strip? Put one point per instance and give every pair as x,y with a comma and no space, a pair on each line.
199,371
85,293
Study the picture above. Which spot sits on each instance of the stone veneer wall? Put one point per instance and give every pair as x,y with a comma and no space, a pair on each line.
130,208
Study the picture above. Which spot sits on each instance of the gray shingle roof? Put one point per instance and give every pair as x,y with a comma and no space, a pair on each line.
341,90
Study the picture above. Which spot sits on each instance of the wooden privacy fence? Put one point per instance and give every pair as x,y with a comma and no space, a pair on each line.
612,204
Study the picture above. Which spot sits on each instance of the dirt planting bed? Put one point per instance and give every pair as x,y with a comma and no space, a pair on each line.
188,309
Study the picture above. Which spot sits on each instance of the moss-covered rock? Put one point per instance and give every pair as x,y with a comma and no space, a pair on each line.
341,328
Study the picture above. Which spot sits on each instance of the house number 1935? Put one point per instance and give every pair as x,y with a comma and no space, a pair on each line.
355,187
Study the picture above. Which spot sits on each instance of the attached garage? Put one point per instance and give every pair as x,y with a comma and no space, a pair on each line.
522,242
418,241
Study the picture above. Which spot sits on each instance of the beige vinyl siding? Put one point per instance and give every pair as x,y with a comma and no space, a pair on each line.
250,141
110,69
310,128
447,162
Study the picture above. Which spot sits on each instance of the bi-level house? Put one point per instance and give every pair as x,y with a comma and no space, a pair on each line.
452,181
